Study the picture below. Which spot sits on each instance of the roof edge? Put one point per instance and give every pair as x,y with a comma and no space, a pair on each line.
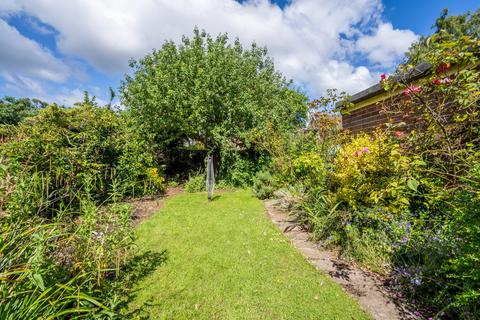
414,73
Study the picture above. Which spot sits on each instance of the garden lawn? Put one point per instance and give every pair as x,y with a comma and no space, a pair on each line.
226,260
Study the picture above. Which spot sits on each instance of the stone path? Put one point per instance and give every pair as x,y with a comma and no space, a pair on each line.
369,289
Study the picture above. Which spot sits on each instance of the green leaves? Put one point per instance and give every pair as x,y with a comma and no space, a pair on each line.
209,92
412,184
38,281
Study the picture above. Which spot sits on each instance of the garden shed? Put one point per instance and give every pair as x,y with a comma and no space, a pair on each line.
365,110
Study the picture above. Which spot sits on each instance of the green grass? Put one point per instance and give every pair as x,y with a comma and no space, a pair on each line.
226,260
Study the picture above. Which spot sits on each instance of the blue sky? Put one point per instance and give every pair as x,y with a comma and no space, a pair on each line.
55,52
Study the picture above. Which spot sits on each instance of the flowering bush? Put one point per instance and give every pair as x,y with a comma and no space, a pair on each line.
371,171
403,202
439,260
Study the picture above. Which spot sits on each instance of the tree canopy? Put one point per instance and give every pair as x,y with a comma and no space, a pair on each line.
211,93
446,28
13,110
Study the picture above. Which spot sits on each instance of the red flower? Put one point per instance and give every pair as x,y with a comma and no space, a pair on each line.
443,67
436,81
384,76
399,134
410,89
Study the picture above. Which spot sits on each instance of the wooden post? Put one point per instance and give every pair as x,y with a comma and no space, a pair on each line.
210,177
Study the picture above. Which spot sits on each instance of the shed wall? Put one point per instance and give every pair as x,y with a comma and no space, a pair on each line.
366,119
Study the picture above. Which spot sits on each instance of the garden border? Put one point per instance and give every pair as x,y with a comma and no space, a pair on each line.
369,289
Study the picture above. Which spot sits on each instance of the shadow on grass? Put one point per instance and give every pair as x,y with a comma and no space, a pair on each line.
138,268
215,197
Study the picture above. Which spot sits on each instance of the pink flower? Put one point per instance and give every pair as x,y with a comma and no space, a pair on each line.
356,154
365,150
399,134
446,80
384,76
442,81
410,89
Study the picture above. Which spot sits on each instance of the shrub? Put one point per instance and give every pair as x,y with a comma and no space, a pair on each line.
13,111
437,263
55,154
371,171
310,169
65,265
240,170
264,185
196,183
65,237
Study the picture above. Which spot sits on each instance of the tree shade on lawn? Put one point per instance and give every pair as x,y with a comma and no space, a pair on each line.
226,260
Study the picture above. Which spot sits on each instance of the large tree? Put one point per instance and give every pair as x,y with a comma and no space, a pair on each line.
447,28
13,111
210,92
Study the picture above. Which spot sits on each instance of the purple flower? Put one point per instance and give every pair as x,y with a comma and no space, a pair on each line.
417,281
356,153
407,227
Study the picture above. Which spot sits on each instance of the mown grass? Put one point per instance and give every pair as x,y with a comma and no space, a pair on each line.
226,260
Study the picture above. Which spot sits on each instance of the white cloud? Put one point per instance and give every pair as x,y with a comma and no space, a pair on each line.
38,27
22,86
387,45
345,77
25,57
306,38
68,97
16,84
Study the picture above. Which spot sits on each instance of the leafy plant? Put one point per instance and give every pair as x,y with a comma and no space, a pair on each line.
264,185
55,154
13,111
32,285
212,95
196,183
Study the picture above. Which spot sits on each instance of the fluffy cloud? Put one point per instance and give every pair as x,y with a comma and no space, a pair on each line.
27,58
22,86
387,45
310,40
